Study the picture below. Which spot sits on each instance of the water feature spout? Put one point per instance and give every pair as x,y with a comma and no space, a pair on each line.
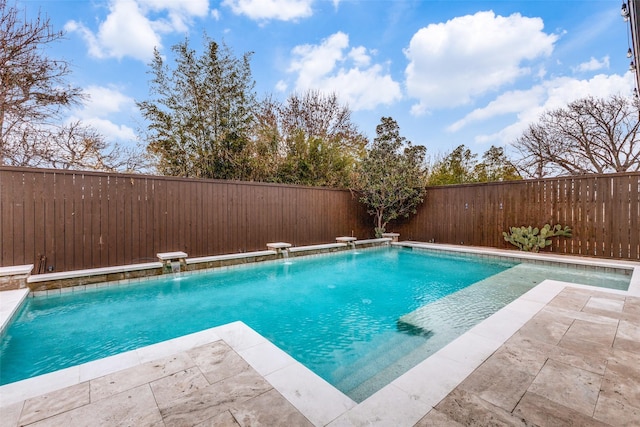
349,240
175,266
172,262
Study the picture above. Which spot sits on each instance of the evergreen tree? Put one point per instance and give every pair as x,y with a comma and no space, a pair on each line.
456,168
200,117
461,167
391,177
495,166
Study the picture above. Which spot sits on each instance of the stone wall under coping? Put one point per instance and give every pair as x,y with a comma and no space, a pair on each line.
13,282
89,280
319,251
371,245
228,262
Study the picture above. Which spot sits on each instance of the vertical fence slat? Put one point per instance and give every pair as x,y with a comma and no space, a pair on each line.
634,216
87,219
9,190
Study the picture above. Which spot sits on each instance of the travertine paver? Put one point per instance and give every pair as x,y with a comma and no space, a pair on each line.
498,383
572,387
539,411
268,409
134,407
582,354
127,379
207,385
57,402
547,327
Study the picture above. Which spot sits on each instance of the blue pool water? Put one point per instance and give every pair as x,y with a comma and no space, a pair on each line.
337,314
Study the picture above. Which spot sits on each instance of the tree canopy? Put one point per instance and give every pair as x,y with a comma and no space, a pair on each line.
461,167
201,114
309,139
590,135
391,177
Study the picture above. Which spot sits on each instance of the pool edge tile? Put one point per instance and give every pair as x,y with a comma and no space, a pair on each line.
266,358
311,395
315,398
382,409
108,365
36,386
239,336
10,303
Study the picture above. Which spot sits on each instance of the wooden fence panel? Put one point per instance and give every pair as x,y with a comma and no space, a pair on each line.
634,216
87,219
602,210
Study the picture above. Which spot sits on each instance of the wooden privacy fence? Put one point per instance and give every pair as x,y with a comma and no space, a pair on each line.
602,210
79,220
83,220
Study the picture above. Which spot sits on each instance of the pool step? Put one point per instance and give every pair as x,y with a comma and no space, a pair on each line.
389,349
463,309
450,316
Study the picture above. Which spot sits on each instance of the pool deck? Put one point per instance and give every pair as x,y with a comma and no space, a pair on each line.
561,354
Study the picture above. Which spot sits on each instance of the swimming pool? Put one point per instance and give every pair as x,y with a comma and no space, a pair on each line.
355,318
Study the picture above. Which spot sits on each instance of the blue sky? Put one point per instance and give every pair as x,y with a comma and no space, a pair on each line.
449,72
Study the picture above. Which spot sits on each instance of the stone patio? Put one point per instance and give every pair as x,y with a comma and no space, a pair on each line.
207,385
575,362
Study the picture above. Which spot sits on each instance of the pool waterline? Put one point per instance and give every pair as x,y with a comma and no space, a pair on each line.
276,261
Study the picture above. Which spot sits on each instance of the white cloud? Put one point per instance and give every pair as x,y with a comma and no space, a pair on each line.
511,102
104,101
454,62
98,111
179,13
592,65
312,62
331,67
282,10
111,131
359,56
128,31
528,105
281,86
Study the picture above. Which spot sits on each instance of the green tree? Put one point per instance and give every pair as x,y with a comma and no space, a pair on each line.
590,135
495,166
391,178
309,139
455,168
316,162
461,167
200,117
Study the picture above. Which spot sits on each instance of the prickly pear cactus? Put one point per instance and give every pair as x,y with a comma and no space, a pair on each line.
533,239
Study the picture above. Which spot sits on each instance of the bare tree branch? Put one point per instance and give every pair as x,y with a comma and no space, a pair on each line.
34,93
590,135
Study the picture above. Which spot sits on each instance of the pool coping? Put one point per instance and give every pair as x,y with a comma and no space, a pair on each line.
319,401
